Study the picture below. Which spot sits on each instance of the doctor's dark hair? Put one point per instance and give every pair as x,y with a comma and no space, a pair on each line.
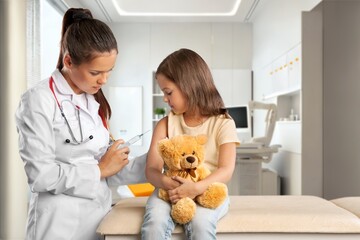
84,38
191,74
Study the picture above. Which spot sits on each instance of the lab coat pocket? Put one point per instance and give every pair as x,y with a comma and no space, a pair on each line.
57,216
92,211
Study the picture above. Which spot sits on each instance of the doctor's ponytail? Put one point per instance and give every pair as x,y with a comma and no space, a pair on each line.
84,38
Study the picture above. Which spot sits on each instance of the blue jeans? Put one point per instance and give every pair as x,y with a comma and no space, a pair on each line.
158,223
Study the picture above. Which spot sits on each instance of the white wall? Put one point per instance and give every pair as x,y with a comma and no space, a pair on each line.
276,30
142,46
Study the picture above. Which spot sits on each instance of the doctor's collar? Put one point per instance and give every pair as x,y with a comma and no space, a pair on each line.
61,84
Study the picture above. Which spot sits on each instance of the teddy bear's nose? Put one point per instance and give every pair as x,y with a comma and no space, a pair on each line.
190,159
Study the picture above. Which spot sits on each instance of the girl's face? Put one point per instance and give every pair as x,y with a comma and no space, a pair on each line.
172,94
91,76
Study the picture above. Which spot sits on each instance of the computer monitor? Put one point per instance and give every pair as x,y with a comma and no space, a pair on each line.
241,116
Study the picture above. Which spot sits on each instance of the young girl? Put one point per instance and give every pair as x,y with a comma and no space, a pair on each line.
196,108
63,136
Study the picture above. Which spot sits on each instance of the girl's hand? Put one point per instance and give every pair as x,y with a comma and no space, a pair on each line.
187,189
170,183
114,159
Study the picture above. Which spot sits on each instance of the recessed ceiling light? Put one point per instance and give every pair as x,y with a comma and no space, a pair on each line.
176,7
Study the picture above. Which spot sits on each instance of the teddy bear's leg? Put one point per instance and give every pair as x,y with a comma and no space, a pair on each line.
183,211
214,196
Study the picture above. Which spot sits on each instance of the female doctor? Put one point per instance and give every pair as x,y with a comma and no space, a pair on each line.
63,136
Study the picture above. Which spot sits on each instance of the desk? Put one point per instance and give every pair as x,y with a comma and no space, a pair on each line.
262,153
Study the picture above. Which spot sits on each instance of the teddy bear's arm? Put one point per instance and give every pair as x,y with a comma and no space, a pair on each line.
203,172
163,194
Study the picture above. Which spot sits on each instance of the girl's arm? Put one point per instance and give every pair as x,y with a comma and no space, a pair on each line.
154,163
226,165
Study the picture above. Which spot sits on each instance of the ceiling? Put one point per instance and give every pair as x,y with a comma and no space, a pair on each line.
166,10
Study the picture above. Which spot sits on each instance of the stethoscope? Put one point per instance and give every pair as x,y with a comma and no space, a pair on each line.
77,109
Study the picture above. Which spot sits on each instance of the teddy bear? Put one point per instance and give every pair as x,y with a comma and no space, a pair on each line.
184,156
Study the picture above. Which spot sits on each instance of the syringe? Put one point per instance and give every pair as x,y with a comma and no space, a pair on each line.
132,140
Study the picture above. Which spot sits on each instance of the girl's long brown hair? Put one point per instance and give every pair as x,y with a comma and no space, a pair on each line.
84,38
191,74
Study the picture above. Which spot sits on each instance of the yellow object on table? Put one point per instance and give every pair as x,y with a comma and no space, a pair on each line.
141,189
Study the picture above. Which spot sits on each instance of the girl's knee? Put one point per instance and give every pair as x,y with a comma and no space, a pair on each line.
203,228
157,226
206,224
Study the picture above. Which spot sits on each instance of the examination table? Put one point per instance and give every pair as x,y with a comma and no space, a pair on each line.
255,217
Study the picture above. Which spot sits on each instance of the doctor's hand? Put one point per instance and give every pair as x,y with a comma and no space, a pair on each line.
114,159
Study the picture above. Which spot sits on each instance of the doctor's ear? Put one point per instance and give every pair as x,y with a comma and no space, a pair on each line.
67,61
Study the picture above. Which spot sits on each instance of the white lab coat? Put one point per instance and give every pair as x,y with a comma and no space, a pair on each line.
68,199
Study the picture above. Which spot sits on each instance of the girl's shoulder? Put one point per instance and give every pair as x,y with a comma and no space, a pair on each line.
221,118
221,122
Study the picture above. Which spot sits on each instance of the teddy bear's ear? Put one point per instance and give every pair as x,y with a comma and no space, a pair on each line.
164,146
201,139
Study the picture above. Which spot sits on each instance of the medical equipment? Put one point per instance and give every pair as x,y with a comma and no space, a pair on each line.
77,109
259,148
270,120
132,140
253,177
